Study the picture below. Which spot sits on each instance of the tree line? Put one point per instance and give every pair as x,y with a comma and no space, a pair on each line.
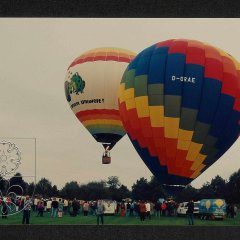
142,189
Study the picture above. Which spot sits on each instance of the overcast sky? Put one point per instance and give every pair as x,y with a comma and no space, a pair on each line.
34,56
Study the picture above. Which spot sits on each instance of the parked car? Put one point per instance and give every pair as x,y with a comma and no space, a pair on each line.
182,208
212,209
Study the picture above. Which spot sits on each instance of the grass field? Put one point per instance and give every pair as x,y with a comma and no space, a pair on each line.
117,220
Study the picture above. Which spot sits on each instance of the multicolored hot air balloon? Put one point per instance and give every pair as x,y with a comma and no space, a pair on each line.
91,89
179,101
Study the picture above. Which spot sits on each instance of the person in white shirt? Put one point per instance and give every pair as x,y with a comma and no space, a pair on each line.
65,206
148,209
36,200
49,205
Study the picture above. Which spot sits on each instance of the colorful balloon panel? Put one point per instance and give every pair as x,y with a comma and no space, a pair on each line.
180,105
91,88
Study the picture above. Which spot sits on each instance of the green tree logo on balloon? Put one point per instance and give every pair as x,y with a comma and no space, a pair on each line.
76,85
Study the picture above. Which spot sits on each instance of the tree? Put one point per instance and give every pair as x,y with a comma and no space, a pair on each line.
44,188
144,190
4,185
156,190
122,193
113,182
70,190
233,188
31,189
94,191
54,191
140,189
218,185
186,194
116,190
206,191
17,181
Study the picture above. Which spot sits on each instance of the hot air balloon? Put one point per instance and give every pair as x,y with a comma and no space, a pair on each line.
91,87
179,101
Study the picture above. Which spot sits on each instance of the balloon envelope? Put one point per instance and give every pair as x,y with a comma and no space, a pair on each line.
179,102
91,88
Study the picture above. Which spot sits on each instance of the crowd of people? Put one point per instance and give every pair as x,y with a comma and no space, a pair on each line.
58,207
142,209
146,209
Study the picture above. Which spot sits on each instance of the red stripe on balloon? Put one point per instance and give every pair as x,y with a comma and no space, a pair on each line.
195,55
229,85
181,157
164,43
159,143
125,115
237,100
112,58
179,46
151,147
98,116
230,77
135,123
91,58
171,148
186,169
237,103
161,153
158,132
98,111
213,69
146,127
99,58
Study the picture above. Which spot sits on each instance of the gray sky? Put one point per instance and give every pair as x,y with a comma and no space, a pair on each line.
34,56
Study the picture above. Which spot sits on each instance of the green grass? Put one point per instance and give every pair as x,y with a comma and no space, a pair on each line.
117,220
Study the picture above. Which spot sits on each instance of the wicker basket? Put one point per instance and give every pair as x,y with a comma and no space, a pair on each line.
106,160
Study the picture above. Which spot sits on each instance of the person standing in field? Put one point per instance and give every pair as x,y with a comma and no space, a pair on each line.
128,208
157,207
36,200
75,207
100,211
54,208
142,210
65,206
85,208
26,210
40,208
122,207
164,208
190,210
148,210
49,204
235,210
60,208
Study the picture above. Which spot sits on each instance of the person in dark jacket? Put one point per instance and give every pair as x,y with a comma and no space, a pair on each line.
190,210
54,206
75,207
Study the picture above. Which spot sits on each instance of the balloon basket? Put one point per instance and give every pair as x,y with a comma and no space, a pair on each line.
106,160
